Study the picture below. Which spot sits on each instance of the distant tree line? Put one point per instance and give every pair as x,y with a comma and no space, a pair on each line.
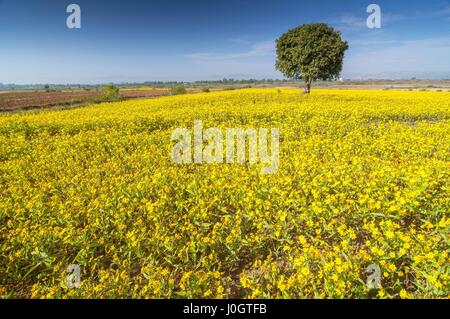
155,84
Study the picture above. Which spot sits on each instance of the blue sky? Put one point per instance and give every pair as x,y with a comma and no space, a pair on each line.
211,39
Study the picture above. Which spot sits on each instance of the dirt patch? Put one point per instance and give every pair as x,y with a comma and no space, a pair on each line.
22,100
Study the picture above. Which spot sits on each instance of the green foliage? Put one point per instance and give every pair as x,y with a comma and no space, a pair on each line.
311,52
206,90
178,90
110,93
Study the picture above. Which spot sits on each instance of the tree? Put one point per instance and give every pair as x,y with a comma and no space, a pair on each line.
111,92
178,90
311,52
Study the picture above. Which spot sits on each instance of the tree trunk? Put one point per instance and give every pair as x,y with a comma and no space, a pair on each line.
307,89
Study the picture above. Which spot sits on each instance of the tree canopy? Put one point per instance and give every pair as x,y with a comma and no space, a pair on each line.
311,52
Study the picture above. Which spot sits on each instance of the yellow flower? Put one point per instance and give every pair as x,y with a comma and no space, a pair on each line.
97,186
404,294
305,271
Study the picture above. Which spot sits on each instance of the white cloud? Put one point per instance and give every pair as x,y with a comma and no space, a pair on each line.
260,49
424,56
372,42
350,22
242,40
257,61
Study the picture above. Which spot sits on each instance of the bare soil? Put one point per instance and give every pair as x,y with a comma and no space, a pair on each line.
23,100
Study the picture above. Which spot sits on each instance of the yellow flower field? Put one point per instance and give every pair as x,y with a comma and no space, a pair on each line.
364,178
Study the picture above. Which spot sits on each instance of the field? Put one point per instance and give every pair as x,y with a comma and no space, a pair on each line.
398,85
363,179
19,100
